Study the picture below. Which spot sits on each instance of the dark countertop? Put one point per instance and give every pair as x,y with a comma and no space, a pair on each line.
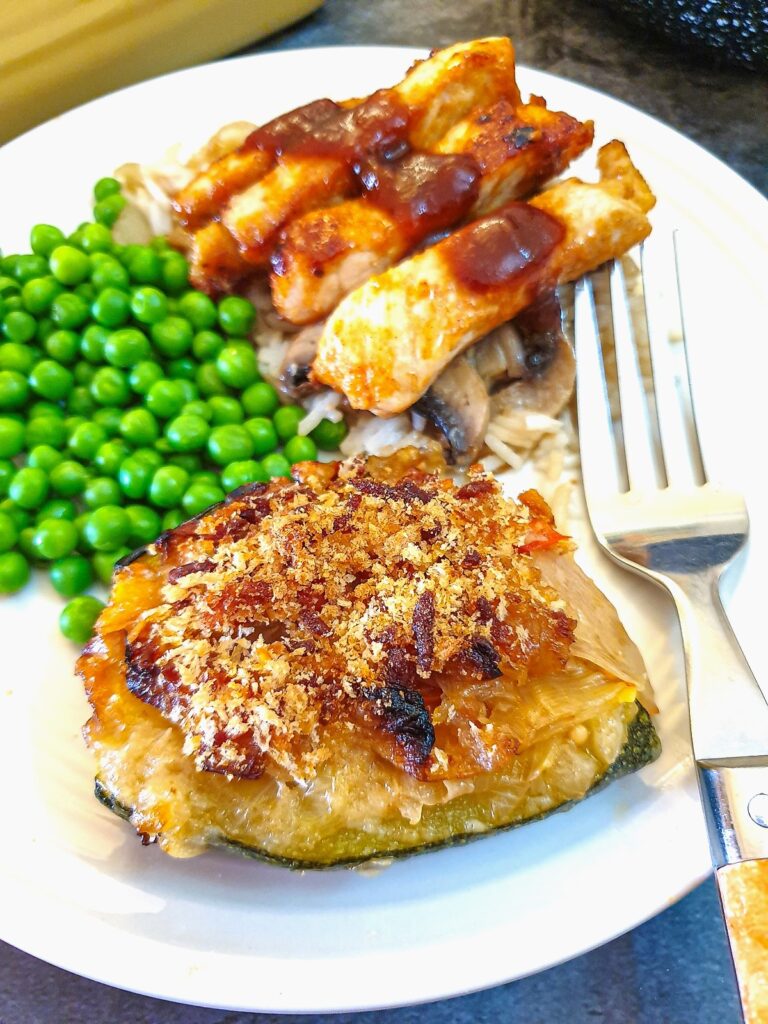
675,968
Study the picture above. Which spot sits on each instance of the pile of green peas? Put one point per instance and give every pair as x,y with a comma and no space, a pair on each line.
128,403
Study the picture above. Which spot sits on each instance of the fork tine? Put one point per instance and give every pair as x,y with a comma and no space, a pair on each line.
697,455
635,420
658,266
598,451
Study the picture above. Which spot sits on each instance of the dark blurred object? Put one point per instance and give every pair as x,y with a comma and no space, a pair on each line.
735,31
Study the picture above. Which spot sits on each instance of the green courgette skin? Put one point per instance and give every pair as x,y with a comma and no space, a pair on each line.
641,748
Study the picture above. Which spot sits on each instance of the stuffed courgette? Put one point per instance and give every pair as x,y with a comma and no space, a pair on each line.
367,661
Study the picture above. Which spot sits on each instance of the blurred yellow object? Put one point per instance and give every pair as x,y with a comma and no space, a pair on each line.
55,54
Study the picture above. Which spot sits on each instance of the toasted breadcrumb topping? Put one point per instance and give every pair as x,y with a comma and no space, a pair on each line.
361,596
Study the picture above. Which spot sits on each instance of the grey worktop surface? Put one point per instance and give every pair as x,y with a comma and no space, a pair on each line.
673,969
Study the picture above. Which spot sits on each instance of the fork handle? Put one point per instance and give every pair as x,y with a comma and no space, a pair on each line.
727,707
744,896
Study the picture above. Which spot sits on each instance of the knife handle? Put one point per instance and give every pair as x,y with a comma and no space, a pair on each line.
744,896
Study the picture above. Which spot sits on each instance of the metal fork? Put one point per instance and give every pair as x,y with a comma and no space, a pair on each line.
654,511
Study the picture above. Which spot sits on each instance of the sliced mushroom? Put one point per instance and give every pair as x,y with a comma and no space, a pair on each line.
499,356
546,392
458,405
296,365
550,366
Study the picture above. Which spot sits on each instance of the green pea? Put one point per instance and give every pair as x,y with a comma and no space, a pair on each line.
110,386
8,287
260,399
208,379
168,486
126,347
12,437
72,423
107,527
183,368
150,456
102,490
45,327
63,346
69,310
172,336
38,294
106,187
248,471
134,476
187,433
19,326
110,457
28,267
198,309
225,409
47,430
7,473
29,487
107,210
43,408
188,389
54,538
237,365
200,496
69,478
109,417
139,427
143,264
44,238
14,572
328,435
174,272
145,524
198,407
300,449
79,402
96,238
18,357
71,575
144,375
173,518
276,465
263,435
287,420
83,373
229,443
69,265
44,456
92,343
12,304
51,380
149,305
206,345
111,308
86,440
56,508
104,562
14,389
165,398
78,617
189,462
8,532
236,316
25,546
109,273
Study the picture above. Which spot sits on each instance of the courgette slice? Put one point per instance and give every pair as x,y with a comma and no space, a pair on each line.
640,748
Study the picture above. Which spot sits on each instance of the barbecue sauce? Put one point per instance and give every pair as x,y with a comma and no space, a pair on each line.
497,249
424,193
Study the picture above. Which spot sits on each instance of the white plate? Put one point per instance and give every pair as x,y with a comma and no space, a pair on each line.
79,890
